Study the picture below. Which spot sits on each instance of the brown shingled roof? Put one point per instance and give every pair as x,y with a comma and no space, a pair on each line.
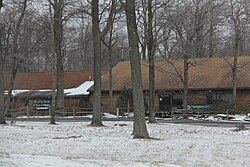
208,73
43,80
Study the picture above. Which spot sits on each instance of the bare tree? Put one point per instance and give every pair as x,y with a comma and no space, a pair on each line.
58,43
2,108
184,35
238,17
139,126
85,44
54,74
151,50
97,38
16,61
142,11
110,44
214,20
187,35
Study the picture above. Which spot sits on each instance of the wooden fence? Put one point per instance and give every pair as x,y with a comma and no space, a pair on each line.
28,112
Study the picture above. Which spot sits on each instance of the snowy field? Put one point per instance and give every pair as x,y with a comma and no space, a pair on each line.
75,144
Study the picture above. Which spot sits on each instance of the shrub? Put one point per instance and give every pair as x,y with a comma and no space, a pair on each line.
232,109
123,99
85,103
125,96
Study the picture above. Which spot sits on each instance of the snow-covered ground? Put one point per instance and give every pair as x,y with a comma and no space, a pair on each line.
75,144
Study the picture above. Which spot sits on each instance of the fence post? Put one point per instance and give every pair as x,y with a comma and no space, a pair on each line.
227,114
74,112
198,113
27,110
117,112
128,107
49,111
102,110
12,116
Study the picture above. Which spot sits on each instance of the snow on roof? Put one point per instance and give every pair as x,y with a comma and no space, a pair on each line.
80,90
15,92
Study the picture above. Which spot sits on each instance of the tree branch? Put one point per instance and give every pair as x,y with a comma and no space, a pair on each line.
110,19
1,4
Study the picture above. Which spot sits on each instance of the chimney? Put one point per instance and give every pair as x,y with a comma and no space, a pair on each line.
90,78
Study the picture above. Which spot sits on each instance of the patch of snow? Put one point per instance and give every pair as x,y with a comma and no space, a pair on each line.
108,115
247,118
14,92
33,117
238,117
75,144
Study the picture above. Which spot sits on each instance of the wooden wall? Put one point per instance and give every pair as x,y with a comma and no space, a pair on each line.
70,102
197,98
243,97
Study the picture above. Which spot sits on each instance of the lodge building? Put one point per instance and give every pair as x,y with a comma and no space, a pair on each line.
210,79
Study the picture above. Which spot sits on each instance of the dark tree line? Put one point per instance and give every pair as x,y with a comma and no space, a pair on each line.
200,22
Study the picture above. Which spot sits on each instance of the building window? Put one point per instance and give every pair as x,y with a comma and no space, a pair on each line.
177,101
41,103
228,97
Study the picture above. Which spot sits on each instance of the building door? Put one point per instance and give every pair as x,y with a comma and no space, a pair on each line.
165,103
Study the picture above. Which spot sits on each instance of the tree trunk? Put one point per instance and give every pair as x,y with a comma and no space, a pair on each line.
110,82
145,31
2,111
139,126
97,38
2,108
97,109
53,98
151,64
211,33
58,39
235,69
14,58
234,81
54,75
199,32
185,82
110,69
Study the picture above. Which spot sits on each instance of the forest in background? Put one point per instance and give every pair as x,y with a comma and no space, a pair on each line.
204,28
59,35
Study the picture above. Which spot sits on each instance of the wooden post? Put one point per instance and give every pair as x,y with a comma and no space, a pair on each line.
74,112
128,108
12,116
117,112
27,111
198,113
227,114
49,112
102,111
